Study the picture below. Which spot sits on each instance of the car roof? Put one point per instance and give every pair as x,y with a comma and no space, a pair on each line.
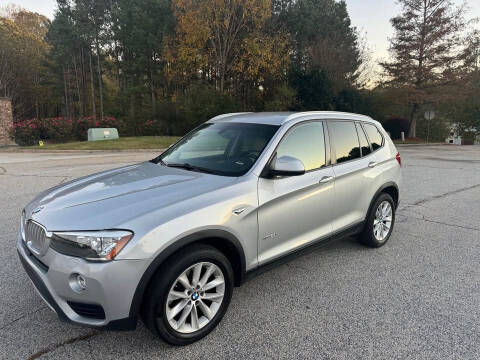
280,118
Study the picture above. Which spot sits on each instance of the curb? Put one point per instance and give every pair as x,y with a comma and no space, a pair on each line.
425,144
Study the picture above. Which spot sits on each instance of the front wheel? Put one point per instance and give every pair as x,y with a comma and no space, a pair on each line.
380,221
191,295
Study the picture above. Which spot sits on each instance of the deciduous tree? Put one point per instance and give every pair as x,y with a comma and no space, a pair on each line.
210,33
23,53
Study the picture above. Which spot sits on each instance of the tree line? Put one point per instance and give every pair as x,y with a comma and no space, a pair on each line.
172,64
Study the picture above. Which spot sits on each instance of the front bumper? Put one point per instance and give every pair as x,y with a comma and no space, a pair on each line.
110,286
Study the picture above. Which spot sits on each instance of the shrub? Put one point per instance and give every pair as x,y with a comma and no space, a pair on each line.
81,126
59,129
149,127
435,130
395,126
26,132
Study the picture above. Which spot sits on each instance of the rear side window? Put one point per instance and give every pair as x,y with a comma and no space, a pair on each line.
376,139
363,141
305,142
345,140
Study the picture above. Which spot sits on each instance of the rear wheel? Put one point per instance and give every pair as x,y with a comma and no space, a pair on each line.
380,222
191,295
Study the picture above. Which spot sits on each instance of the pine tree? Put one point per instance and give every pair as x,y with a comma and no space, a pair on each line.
425,49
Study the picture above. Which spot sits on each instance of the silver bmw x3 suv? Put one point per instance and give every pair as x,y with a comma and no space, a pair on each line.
168,239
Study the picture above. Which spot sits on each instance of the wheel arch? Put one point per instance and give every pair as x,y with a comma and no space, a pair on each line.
222,240
391,189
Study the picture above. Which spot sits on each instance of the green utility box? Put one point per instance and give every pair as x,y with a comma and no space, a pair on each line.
96,134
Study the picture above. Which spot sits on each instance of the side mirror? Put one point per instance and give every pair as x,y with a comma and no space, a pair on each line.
287,166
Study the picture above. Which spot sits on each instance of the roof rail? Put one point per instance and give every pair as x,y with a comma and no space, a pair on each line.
222,116
306,113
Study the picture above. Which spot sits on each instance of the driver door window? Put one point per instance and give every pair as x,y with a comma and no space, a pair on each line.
306,142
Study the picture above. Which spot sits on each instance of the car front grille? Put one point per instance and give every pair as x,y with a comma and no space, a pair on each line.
35,237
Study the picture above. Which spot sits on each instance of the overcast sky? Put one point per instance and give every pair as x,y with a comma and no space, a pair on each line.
371,17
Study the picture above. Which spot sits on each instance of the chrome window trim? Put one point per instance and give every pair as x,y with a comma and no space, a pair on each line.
368,139
327,115
298,118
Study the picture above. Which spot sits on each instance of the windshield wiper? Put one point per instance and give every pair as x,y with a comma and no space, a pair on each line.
190,167
158,160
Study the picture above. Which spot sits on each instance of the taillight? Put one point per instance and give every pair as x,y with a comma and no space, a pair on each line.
399,159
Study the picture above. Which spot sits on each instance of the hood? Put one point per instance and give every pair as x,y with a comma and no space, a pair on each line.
111,198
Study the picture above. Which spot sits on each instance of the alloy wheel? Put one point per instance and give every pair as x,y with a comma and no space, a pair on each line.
382,221
195,297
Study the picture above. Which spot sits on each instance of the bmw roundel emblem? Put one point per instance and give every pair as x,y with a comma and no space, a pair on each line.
195,296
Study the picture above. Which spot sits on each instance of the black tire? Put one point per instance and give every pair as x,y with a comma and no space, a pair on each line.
154,306
367,236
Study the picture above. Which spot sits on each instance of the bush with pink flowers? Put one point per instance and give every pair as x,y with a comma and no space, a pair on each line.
27,132
149,127
60,129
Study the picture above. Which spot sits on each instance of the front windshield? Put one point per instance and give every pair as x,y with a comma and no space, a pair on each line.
228,149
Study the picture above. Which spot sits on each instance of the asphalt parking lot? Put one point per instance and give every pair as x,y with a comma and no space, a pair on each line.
418,297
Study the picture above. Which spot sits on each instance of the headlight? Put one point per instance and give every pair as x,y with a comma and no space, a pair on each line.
22,225
91,245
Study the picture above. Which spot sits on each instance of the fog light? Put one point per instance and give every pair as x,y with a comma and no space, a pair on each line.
81,282
78,283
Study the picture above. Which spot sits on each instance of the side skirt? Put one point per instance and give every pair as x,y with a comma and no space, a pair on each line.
350,231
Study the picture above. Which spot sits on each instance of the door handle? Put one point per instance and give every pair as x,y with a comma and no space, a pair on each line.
372,164
326,179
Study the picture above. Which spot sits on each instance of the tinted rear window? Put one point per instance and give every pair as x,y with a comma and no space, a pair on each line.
345,140
363,141
376,139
